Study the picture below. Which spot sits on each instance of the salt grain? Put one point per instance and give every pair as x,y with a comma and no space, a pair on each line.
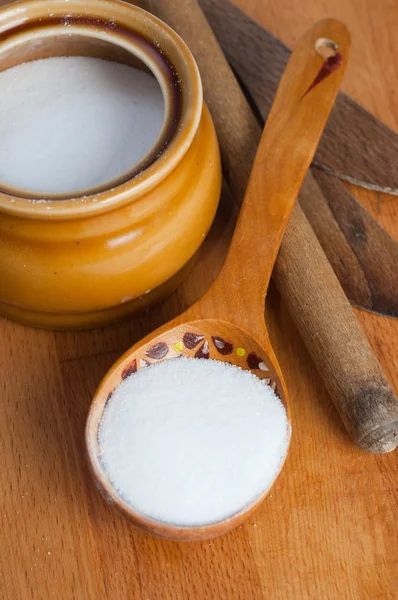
71,123
191,442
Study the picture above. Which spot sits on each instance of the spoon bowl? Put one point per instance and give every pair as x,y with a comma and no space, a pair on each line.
227,324
205,338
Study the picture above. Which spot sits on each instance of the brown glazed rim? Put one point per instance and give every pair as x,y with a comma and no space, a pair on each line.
61,17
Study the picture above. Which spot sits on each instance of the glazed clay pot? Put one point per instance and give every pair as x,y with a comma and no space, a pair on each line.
71,263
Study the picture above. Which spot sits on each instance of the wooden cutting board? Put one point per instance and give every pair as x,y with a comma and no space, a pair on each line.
328,530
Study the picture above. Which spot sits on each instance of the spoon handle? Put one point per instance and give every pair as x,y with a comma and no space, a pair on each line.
302,104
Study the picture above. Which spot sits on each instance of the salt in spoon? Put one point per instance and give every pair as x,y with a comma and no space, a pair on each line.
227,324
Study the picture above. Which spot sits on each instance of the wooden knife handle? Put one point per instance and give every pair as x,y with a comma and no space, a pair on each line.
342,354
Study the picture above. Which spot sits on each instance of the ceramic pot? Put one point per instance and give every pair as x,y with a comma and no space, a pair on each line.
72,263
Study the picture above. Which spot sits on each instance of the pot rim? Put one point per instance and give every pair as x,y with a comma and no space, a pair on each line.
20,13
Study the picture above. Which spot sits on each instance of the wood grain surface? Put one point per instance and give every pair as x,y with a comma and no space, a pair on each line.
329,528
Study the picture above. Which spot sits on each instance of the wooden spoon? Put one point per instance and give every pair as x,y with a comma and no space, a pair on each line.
227,324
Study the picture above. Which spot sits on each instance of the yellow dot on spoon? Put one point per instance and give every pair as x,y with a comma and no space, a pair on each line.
240,351
178,346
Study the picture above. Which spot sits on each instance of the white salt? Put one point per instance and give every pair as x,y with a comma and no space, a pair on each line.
72,123
192,441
